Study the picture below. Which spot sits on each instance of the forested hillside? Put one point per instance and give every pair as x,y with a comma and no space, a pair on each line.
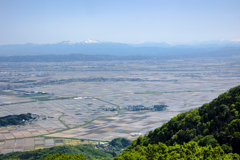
216,123
191,151
87,151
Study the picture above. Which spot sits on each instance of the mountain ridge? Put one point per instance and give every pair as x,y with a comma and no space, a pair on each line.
94,47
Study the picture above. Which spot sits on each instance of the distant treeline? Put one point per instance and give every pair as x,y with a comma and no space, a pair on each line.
142,107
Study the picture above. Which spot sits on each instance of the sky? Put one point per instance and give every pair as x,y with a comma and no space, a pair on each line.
125,21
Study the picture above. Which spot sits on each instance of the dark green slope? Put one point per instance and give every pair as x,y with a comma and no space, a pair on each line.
87,151
14,119
186,151
215,123
120,143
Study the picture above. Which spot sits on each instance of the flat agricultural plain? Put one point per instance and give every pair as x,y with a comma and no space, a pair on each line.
28,144
86,100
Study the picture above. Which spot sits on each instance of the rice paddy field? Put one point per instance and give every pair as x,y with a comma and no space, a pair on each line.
74,111
29,144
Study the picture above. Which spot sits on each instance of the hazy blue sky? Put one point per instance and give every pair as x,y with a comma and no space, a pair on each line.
128,21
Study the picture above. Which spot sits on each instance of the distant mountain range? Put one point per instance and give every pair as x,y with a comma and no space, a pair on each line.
93,47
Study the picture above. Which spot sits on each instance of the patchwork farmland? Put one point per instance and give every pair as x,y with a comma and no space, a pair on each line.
83,102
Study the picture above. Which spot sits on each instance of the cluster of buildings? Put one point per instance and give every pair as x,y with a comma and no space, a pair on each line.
141,108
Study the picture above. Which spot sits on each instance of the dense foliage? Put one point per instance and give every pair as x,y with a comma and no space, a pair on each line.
189,150
14,119
64,156
61,156
161,151
120,143
216,123
87,151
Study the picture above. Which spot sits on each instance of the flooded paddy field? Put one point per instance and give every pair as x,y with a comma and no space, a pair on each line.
29,144
120,126
54,115
95,93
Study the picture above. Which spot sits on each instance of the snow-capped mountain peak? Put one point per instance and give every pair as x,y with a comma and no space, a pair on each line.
88,41
91,41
